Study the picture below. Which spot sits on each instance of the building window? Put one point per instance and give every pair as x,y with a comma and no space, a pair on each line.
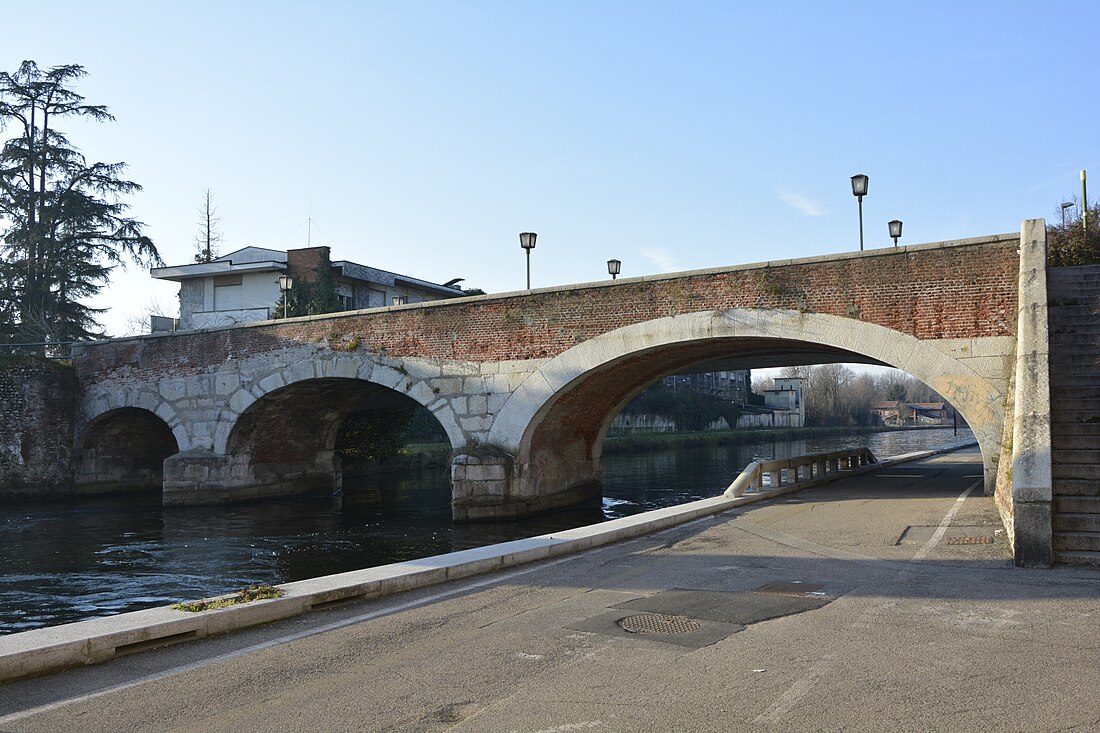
228,292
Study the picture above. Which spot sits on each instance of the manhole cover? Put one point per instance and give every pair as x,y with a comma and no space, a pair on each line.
983,540
659,623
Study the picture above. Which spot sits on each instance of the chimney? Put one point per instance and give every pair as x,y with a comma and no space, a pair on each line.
302,264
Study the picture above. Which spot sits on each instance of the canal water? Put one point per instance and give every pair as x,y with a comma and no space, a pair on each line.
101,556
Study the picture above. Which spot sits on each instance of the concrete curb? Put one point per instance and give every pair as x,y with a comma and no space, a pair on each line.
50,649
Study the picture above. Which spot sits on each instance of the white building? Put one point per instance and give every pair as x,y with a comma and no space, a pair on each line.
243,286
787,395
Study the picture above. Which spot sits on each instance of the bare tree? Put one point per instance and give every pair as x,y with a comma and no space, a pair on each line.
139,321
209,235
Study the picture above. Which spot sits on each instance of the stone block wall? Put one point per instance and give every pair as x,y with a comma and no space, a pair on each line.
38,401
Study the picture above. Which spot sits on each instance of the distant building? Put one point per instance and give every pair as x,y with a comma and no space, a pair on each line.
729,386
929,413
243,286
788,395
890,412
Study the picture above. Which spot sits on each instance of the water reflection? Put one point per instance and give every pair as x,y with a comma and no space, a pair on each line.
108,555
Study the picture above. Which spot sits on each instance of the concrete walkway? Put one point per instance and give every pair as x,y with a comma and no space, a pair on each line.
871,604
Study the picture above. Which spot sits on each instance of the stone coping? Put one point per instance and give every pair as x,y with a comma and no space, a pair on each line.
45,650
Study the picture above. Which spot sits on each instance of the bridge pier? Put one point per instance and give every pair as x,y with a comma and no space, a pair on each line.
488,484
203,477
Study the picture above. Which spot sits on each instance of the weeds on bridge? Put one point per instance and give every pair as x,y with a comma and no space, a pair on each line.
244,595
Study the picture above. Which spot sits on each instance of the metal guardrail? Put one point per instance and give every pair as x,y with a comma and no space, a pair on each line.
771,475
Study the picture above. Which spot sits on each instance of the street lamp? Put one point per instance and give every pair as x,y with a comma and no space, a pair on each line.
1065,205
859,190
895,230
613,267
527,241
286,282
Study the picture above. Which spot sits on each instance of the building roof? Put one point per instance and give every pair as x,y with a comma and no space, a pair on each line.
385,277
261,259
248,259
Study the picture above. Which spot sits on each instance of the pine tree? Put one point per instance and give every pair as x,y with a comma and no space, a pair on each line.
64,227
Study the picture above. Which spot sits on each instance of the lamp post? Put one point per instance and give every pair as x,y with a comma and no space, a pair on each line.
895,230
1065,205
286,282
613,267
859,190
527,241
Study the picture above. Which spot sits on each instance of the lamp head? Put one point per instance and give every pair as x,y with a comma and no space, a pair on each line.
895,230
859,185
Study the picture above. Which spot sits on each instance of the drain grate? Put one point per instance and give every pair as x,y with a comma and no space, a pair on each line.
982,540
659,623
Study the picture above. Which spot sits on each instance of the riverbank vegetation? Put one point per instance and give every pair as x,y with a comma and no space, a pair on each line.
244,595
404,436
837,396
689,410
1068,242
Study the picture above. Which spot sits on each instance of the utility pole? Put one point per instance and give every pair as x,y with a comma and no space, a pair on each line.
1084,206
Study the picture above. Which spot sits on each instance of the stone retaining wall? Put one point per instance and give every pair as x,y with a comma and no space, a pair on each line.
38,401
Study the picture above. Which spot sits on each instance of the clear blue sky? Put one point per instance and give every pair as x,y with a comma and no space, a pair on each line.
423,136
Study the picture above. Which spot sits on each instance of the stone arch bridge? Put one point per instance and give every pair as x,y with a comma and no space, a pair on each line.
526,384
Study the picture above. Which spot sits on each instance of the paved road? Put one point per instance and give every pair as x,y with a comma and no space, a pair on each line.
870,604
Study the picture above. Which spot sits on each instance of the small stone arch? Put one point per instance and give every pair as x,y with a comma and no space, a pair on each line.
554,422
106,399
124,449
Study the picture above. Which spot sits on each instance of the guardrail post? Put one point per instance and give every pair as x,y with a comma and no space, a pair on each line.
768,475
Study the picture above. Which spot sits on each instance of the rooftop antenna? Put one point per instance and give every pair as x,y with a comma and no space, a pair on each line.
309,221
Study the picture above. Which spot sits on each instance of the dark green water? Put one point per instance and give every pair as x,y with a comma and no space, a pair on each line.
97,557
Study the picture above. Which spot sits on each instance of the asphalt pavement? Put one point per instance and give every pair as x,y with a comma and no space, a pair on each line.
882,602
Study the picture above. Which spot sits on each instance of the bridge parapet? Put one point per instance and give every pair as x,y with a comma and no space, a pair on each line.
947,290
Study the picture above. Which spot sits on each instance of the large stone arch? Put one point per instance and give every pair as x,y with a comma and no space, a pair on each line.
551,427
123,449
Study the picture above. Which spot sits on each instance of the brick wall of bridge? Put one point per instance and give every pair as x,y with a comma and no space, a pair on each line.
936,292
